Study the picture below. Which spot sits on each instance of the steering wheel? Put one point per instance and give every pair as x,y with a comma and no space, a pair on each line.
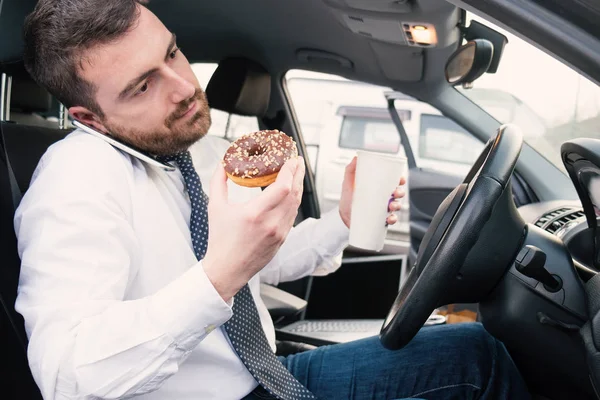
453,232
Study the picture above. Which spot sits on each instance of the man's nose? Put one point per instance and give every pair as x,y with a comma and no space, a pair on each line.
181,89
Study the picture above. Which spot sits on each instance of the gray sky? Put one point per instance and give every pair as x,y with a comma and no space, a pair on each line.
548,86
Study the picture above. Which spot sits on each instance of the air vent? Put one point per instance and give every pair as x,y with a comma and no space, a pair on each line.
556,219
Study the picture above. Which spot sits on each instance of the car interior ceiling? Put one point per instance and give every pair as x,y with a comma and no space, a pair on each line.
327,36
320,35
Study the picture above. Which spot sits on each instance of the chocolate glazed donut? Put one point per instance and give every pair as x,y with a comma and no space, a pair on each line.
254,160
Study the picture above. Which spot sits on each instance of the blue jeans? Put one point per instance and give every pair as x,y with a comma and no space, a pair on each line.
459,361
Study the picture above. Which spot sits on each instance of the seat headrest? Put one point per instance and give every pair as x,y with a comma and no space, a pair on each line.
240,86
12,18
28,97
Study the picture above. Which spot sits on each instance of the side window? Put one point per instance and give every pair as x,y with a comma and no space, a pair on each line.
370,134
225,125
441,139
231,126
371,129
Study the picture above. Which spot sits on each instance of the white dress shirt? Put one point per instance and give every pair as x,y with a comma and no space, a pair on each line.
115,303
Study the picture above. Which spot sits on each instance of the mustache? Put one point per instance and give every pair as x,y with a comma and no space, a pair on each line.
182,107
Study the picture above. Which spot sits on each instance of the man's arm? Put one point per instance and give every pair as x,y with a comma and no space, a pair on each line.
77,249
313,247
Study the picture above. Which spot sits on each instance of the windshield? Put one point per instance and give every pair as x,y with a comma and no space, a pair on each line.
549,101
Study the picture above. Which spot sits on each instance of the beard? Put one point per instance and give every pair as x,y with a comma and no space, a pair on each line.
176,135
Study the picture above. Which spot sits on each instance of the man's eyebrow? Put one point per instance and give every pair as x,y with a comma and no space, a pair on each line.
136,81
171,45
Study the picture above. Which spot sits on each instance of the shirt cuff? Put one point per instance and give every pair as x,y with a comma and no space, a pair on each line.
333,224
334,235
190,307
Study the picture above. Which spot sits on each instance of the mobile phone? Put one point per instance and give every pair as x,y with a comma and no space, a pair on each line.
125,147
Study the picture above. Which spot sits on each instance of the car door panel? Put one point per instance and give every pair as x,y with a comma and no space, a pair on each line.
427,190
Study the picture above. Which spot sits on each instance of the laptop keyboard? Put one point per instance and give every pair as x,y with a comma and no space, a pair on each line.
335,326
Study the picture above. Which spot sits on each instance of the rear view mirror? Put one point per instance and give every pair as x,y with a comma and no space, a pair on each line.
469,62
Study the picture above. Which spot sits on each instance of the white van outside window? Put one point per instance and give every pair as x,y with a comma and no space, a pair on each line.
365,128
441,139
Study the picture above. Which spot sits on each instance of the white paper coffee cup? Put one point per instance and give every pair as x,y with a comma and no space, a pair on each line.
377,176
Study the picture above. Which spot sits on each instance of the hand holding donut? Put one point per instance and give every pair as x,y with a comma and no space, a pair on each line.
243,238
348,192
254,160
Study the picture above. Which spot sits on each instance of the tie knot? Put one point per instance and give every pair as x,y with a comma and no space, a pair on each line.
181,159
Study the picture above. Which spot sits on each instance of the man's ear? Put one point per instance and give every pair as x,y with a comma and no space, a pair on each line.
88,118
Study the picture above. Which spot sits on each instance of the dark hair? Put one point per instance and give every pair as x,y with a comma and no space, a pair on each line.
57,33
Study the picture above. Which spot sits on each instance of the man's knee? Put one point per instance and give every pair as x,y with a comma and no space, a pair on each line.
495,365
467,345
479,344
476,332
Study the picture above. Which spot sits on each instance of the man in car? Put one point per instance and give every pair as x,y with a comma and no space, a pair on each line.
124,289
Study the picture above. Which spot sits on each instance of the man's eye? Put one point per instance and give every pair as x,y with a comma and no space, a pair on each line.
174,53
143,89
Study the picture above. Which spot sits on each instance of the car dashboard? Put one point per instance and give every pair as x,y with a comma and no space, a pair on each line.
565,220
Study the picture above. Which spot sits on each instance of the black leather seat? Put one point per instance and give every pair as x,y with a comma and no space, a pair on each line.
29,102
24,145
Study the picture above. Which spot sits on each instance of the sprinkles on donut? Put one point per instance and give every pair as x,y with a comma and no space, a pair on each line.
254,160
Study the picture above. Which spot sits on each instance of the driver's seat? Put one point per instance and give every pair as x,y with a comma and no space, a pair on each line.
243,87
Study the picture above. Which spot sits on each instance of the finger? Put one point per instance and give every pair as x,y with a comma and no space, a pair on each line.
394,206
391,219
351,167
292,202
349,176
402,181
398,193
290,210
289,217
275,193
298,184
218,186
